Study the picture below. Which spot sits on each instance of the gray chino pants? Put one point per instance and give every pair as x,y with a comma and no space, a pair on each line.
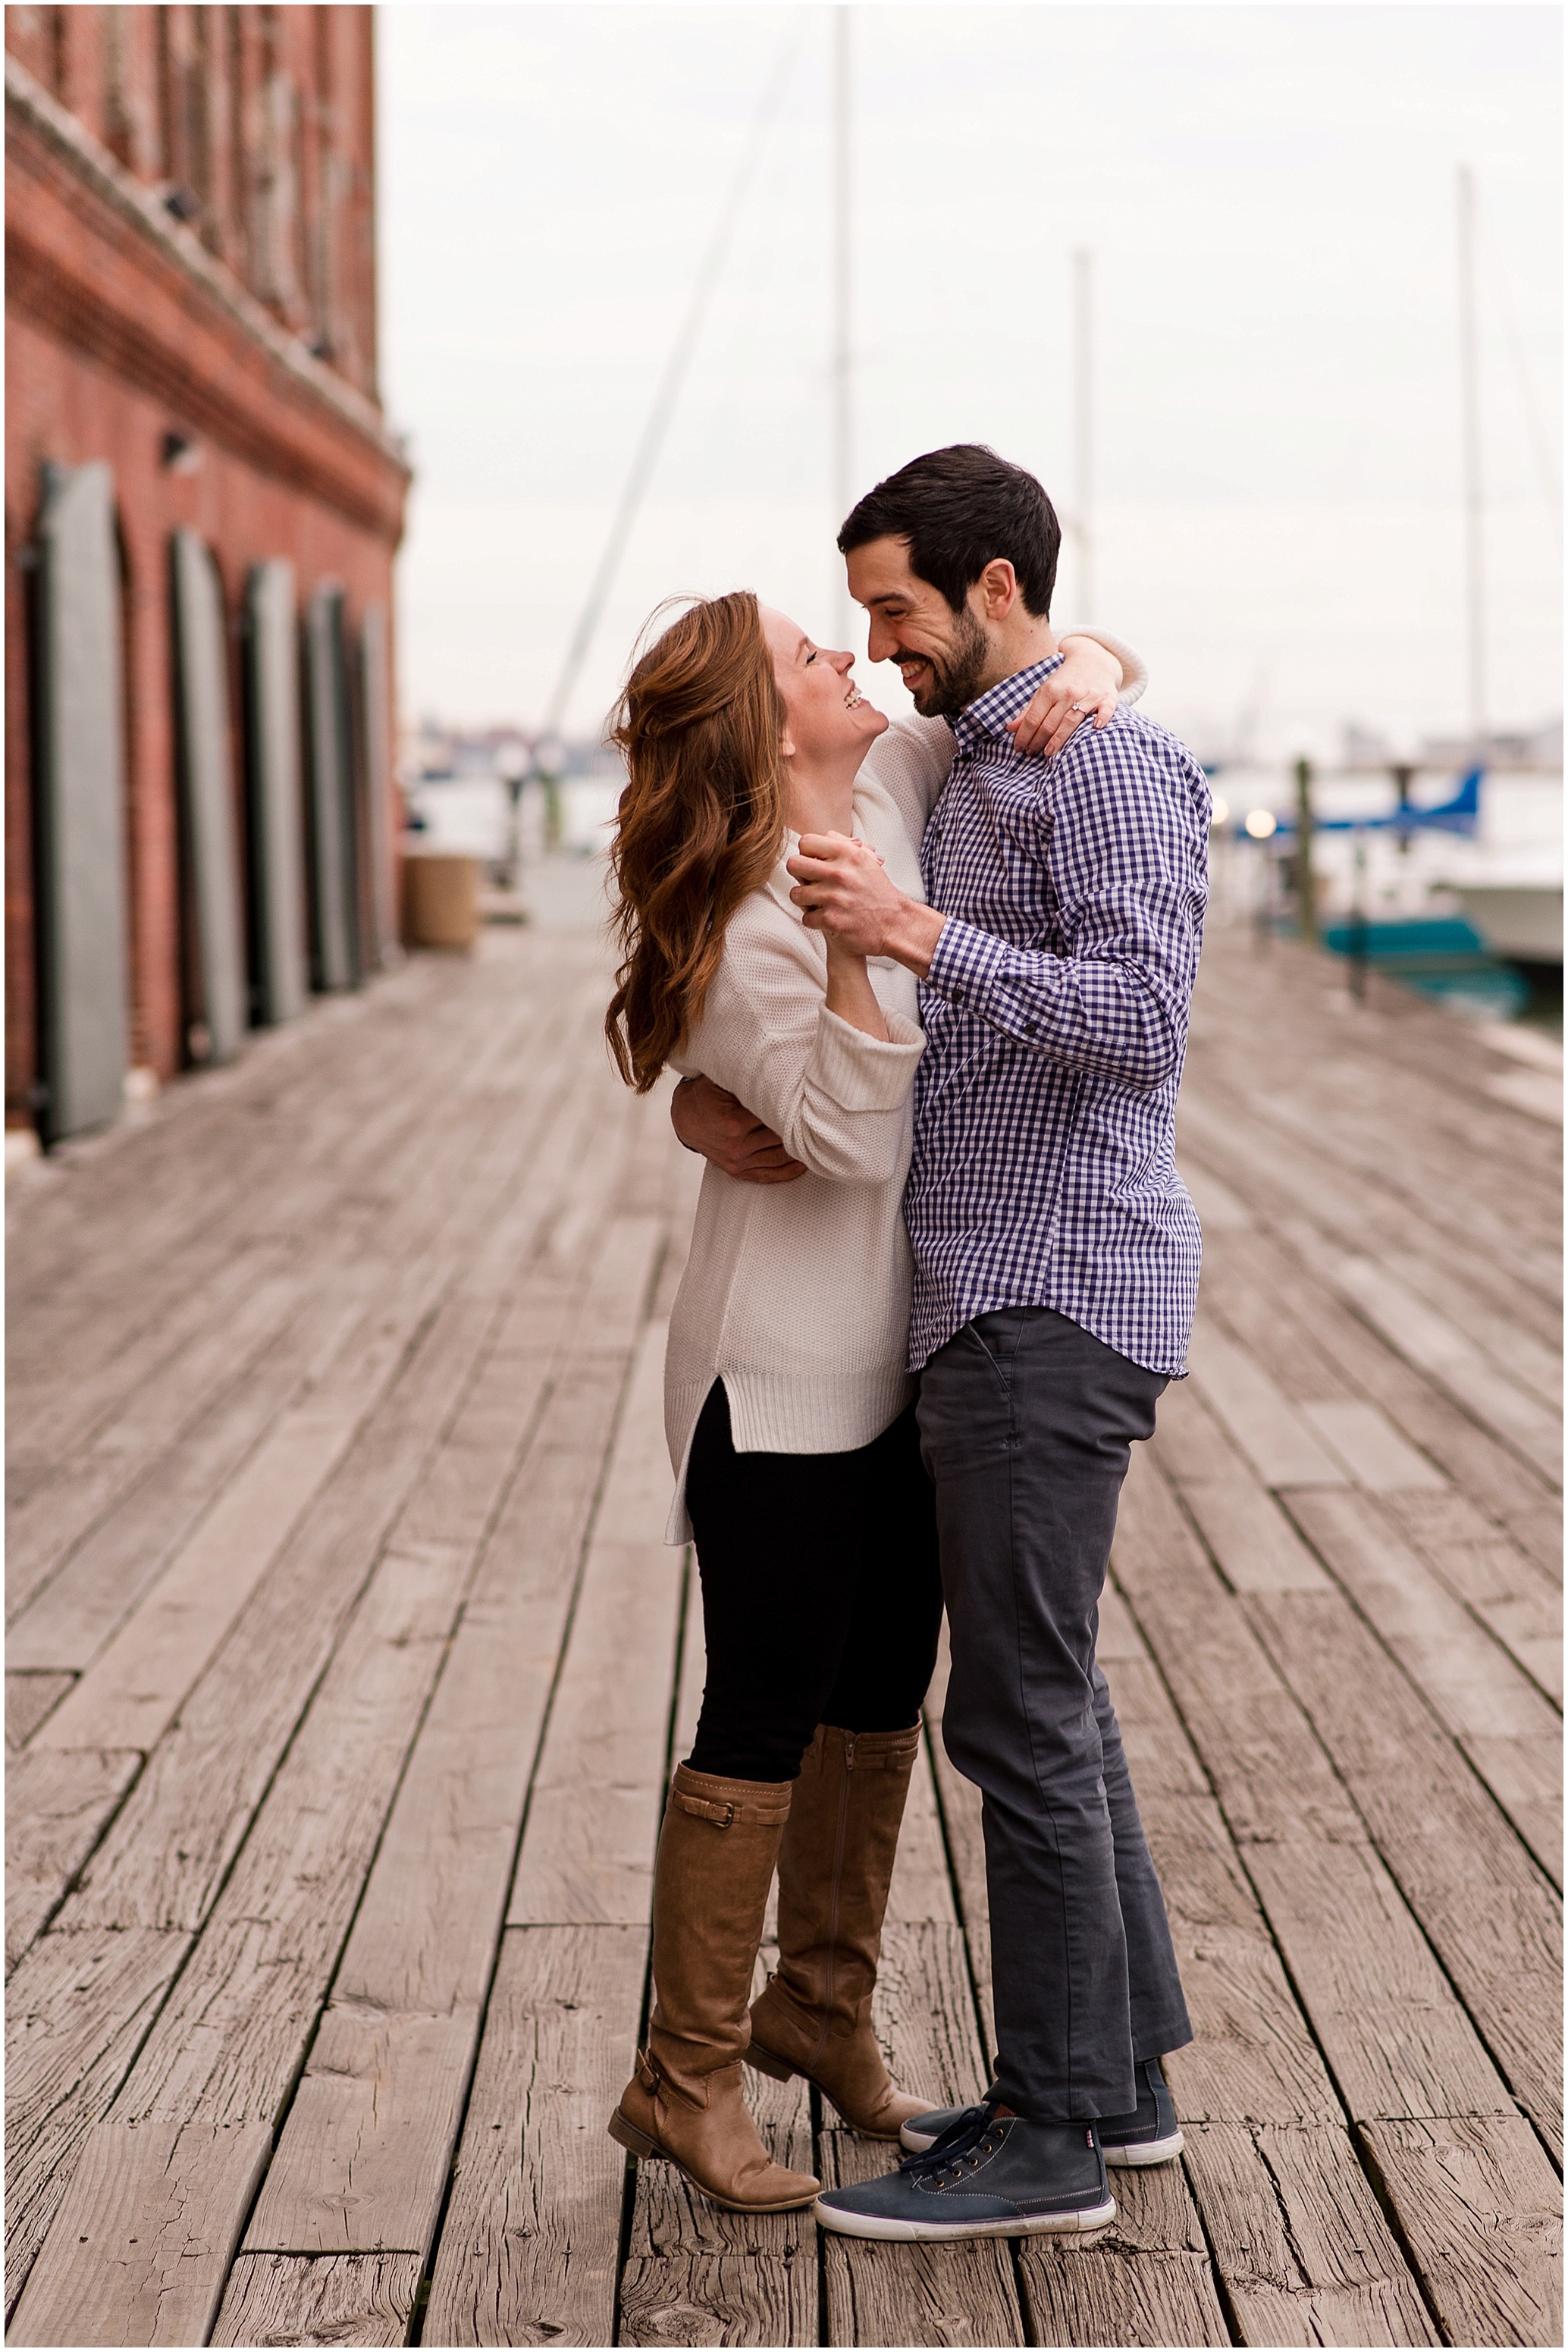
1025,1421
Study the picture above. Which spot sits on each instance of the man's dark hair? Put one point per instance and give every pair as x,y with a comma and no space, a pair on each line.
960,508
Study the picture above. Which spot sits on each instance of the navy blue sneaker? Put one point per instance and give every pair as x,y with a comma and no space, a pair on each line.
1150,2135
1001,2176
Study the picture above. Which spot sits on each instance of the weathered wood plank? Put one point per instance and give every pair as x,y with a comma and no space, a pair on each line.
435,1169
1300,2239
129,1695
1316,1348
151,2217
84,1485
308,1887
173,1843
298,2299
362,2160
1507,1591
75,2012
103,1579
228,2047
1512,1735
1280,1791
1289,1156
365,2156
1220,1210
1532,1356
199,1332
1490,1915
1324,1678
1480,2210
324,1110
594,1812
68,1395
56,1809
1438,1346
1270,1293
1282,1448
1393,2031
1150,2281
694,2274
1256,1546
28,1699
531,2246
272,1992
1363,1438
1254,2056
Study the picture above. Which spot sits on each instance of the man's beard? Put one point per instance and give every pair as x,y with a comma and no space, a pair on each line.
958,676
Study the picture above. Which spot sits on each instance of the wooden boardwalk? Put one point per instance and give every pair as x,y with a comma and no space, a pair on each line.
347,1666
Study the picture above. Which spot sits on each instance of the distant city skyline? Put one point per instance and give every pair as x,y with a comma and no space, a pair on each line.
1269,195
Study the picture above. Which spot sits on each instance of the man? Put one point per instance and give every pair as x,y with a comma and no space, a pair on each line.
1056,1257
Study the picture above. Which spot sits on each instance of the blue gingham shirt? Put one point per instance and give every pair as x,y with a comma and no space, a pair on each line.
1056,1018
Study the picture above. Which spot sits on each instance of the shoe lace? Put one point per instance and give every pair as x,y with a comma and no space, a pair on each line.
961,2144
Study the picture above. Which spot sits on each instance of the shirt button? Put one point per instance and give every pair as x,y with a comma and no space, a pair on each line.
958,995
1029,1027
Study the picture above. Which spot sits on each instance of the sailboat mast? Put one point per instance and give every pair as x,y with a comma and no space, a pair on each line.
1083,445
1470,459
842,293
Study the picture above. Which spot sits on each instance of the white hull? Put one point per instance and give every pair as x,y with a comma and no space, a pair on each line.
1522,920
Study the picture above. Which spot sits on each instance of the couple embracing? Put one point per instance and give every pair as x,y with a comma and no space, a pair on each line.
927,984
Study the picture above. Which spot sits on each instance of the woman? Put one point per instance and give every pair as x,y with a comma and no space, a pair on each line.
788,1408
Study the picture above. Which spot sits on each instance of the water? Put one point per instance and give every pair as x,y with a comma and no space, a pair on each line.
473,814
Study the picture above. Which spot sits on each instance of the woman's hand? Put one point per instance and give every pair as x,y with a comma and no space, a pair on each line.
1088,683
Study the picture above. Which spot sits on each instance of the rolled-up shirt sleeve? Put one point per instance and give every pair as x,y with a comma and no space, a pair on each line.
1124,846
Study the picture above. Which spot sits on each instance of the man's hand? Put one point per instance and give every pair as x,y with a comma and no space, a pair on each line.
708,1119
1087,684
845,891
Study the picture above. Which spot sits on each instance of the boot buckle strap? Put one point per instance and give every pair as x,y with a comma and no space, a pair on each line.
658,2084
723,1816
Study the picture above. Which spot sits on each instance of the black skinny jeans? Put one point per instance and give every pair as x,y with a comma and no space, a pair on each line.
821,1592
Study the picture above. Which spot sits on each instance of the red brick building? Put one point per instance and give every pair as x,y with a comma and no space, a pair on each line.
203,502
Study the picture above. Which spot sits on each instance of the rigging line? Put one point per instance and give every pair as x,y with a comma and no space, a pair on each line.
1539,435
669,392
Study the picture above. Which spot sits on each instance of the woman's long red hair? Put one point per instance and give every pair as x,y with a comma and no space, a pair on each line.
701,819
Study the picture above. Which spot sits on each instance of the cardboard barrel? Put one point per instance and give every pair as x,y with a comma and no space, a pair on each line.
440,898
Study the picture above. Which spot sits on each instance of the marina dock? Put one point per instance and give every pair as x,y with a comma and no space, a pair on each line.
347,1667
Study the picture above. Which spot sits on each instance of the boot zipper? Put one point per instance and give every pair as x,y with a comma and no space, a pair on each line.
840,1836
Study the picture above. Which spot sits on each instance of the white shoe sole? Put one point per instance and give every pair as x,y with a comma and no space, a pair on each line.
1089,2221
1153,2151
1148,2151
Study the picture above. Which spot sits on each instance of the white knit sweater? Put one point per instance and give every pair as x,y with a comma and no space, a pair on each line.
797,1295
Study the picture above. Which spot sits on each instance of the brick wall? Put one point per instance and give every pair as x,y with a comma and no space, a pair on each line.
191,296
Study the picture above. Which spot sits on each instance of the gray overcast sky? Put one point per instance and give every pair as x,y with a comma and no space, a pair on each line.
1269,193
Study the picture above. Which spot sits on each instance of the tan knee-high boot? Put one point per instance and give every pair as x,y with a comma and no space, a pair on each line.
813,2017
716,1857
